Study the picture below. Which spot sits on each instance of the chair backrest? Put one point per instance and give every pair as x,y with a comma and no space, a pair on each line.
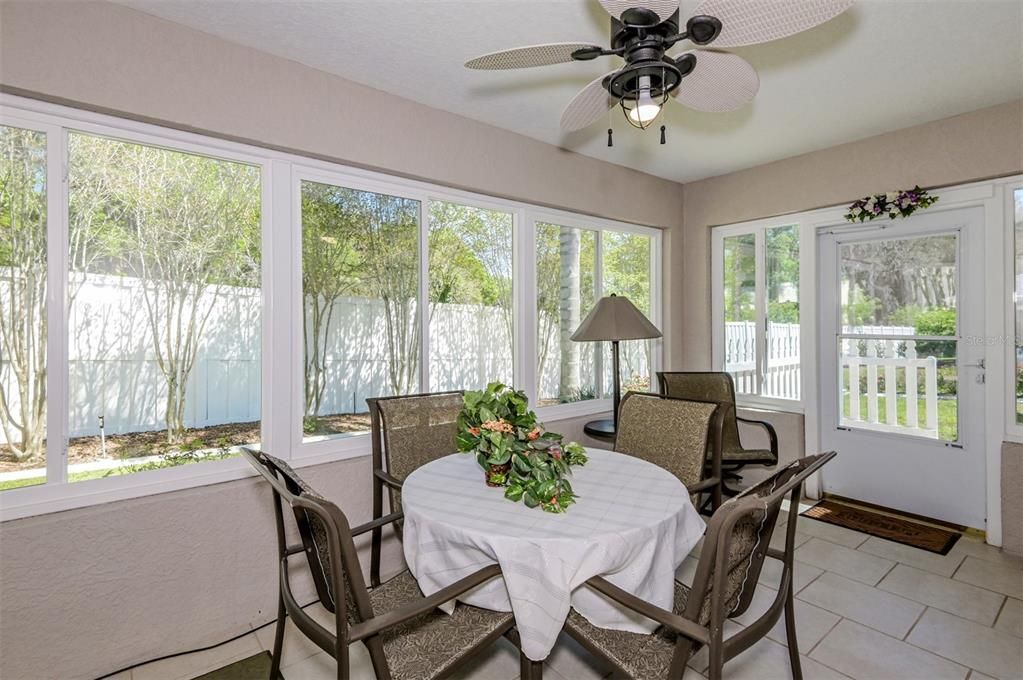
737,539
706,386
326,538
410,431
671,433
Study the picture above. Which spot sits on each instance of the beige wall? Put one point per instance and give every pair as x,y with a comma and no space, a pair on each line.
977,145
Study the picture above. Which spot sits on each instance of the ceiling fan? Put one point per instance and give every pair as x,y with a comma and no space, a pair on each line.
642,32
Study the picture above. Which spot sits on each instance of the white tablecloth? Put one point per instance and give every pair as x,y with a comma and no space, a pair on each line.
633,523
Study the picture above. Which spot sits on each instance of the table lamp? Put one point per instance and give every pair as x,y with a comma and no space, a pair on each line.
613,318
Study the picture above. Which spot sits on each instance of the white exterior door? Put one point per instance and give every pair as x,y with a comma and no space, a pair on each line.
901,370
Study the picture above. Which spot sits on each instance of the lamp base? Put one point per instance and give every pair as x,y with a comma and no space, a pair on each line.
601,429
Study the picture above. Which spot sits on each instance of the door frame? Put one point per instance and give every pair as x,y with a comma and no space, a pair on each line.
993,197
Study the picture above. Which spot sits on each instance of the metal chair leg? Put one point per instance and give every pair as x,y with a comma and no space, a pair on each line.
790,634
529,669
275,656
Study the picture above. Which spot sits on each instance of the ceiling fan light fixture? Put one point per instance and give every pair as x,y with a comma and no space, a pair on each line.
643,108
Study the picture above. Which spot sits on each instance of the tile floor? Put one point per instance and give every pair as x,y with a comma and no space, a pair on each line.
866,609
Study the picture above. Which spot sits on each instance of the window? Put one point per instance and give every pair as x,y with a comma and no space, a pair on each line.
566,290
179,296
470,255
626,272
164,307
758,283
23,278
360,286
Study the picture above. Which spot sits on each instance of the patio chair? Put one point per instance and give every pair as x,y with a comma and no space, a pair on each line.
675,434
718,386
407,432
735,546
407,636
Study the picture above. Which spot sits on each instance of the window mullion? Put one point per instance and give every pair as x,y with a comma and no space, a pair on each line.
424,294
760,274
598,292
57,266
524,304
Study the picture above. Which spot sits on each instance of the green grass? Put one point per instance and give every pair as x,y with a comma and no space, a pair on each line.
128,468
948,429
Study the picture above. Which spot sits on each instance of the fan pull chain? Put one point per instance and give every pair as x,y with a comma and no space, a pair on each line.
662,135
610,137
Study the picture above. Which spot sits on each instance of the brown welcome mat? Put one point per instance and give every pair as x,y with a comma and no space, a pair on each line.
256,667
887,525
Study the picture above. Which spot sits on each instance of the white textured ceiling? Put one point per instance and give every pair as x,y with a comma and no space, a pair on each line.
881,66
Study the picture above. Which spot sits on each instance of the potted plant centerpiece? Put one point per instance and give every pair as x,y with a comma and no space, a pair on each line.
515,451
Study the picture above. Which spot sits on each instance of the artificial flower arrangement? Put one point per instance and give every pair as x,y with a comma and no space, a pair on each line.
515,451
891,204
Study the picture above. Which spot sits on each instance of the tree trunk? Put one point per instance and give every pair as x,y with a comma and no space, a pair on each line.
570,310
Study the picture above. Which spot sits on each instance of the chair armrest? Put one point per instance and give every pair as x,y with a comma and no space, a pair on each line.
361,631
770,431
387,479
379,522
661,616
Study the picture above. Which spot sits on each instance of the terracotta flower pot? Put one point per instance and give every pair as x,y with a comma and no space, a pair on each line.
497,475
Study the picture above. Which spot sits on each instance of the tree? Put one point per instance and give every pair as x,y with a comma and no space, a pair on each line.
570,306
187,227
23,290
330,268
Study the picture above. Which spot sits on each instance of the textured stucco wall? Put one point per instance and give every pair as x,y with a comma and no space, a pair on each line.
1012,498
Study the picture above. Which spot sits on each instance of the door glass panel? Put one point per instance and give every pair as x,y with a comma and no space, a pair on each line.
470,251
740,311
566,278
898,298
1018,303
22,307
781,378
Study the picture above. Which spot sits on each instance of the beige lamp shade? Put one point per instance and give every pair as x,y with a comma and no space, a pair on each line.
615,318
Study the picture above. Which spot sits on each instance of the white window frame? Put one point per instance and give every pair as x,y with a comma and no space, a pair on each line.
281,414
759,229
1013,430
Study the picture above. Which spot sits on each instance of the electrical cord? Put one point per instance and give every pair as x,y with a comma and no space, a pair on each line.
196,650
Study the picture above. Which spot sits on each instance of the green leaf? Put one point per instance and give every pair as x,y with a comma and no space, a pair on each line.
514,492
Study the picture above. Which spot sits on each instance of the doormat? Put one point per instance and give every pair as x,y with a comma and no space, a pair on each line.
887,525
256,667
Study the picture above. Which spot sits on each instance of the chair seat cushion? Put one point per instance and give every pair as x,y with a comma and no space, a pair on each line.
641,656
429,645
749,456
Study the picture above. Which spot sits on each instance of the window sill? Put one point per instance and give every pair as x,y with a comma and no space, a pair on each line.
49,498
575,409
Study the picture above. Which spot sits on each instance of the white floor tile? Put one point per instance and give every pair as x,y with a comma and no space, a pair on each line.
853,564
296,645
572,661
986,649
831,532
802,574
865,654
768,660
1011,619
686,571
812,623
864,604
942,565
778,539
975,547
1002,577
499,662
191,665
955,597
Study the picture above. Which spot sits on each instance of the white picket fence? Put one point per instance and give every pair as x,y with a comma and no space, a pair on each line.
880,364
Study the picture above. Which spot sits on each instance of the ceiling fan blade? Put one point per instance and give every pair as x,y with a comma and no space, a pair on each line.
586,108
748,22
720,81
527,57
663,8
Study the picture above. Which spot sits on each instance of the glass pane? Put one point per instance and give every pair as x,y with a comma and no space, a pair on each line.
565,292
471,325
360,284
22,307
1018,304
626,263
902,386
894,286
781,378
164,307
740,311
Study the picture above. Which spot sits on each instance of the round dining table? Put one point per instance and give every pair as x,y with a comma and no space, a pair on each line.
633,524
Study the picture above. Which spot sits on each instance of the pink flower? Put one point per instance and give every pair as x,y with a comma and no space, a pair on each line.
474,431
534,434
